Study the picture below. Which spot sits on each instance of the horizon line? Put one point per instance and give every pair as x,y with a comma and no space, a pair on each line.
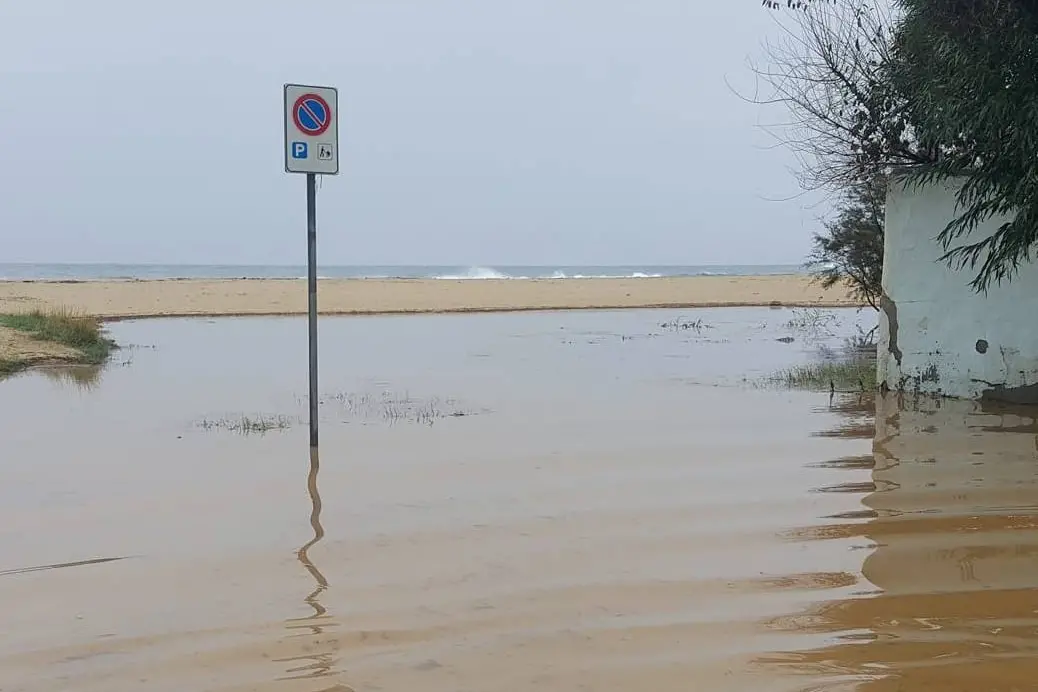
333,264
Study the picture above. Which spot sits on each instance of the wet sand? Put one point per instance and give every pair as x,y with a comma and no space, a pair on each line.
614,510
16,345
163,298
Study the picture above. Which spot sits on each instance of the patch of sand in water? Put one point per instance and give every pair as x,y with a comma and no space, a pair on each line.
19,346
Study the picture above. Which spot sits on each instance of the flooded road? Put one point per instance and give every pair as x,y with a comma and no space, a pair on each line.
593,501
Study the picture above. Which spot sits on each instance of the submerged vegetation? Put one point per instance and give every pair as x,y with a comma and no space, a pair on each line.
850,368
82,334
852,374
387,407
248,425
400,407
681,324
812,322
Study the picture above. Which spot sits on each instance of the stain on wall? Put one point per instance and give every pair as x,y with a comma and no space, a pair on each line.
889,308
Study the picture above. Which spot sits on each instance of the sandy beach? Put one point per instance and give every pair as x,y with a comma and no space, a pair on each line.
181,298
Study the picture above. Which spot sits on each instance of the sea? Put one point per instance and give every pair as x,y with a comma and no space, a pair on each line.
98,272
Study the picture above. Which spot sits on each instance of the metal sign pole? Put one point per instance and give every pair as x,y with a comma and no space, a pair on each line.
312,147
311,284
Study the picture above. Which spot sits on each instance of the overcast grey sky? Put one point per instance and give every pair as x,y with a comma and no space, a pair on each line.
472,132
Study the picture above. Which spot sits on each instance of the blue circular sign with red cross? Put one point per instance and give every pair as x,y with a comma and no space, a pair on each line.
312,115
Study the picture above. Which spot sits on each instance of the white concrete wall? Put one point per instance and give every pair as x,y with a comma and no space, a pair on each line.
933,327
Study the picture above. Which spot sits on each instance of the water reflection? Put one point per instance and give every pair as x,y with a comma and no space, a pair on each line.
857,413
80,377
320,659
951,520
303,553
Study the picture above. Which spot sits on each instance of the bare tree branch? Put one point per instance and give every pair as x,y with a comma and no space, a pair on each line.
830,70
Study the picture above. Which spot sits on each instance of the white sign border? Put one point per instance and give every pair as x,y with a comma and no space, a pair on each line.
284,116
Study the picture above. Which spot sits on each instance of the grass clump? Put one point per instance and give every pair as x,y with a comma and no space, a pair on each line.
856,374
83,333
848,368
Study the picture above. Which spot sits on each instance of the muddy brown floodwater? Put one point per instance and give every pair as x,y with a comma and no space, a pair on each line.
580,501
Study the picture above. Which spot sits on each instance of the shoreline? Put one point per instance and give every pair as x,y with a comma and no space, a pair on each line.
391,279
126,299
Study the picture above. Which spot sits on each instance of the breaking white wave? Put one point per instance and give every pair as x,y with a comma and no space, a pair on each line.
478,273
491,273
632,275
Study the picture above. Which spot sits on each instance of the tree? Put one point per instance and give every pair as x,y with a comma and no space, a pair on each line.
965,76
848,128
833,73
970,71
850,249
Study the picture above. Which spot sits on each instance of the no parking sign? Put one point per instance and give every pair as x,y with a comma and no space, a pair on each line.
311,129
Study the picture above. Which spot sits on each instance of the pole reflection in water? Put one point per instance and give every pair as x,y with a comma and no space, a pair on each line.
949,597
321,659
